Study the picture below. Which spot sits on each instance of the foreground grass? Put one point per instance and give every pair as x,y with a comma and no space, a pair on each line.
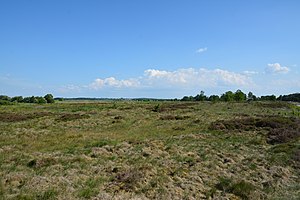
149,150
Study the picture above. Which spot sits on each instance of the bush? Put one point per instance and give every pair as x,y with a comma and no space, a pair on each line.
49,98
18,99
41,100
5,102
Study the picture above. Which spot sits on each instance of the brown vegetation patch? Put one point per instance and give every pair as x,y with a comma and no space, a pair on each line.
177,106
128,179
296,157
70,117
41,162
280,129
174,117
275,104
17,117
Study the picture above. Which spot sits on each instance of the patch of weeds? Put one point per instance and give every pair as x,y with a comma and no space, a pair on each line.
224,184
71,117
2,192
210,193
256,141
285,154
42,162
252,166
90,188
31,163
48,194
128,179
156,108
18,117
280,129
283,135
24,197
174,117
275,104
203,155
100,143
189,160
178,128
242,188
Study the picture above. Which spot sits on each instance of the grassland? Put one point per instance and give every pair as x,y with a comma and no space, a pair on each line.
150,150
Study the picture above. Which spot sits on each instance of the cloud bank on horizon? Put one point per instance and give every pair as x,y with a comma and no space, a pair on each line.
183,81
189,79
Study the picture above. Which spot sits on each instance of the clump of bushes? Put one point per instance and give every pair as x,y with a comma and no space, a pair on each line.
6,100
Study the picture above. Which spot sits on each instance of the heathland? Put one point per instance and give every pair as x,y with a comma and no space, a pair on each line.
150,150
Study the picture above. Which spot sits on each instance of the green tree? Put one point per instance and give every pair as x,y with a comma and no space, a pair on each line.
41,100
228,96
49,98
239,96
214,98
4,97
18,99
33,99
268,98
201,96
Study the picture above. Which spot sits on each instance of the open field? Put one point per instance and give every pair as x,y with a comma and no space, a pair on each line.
150,150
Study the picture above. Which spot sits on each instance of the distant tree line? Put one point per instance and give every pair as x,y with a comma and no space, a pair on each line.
290,97
240,96
6,100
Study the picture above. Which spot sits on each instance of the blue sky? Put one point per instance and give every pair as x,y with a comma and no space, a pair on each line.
162,49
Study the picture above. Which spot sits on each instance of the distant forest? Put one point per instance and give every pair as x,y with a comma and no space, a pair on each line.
229,96
240,96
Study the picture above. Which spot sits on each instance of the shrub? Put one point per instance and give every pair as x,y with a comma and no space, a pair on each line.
5,102
41,100
156,108
49,98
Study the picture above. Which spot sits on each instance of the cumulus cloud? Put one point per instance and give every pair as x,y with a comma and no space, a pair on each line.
201,50
113,82
276,68
249,73
200,77
185,79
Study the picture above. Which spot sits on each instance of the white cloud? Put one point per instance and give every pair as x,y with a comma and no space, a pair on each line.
276,68
70,88
201,50
196,77
181,80
249,73
113,82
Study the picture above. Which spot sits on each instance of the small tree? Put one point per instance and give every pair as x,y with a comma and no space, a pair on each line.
228,96
201,97
4,97
41,100
214,98
49,98
18,99
33,100
239,96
